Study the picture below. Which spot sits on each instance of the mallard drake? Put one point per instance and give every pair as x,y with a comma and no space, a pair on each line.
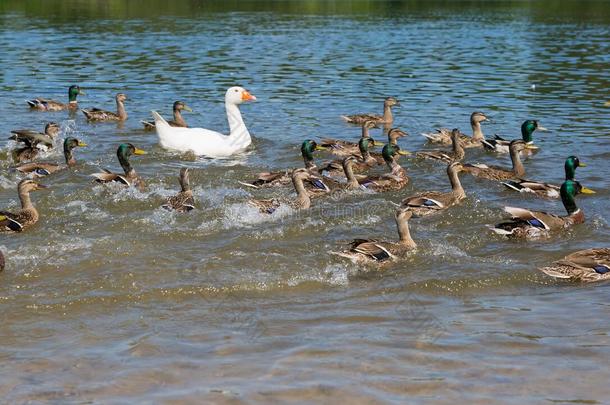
284,177
545,189
95,114
303,200
535,224
178,121
386,118
430,202
34,141
443,135
51,105
183,201
393,181
27,215
501,145
130,177
457,154
46,168
205,142
346,148
366,251
584,265
499,173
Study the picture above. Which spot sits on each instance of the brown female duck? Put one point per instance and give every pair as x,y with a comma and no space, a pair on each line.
373,251
303,200
178,121
584,265
27,215
386,118
183,201
95,114
499,173
430,202
456,155
34,141
443,135
395,180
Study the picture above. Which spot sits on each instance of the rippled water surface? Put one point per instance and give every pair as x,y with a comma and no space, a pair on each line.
111,299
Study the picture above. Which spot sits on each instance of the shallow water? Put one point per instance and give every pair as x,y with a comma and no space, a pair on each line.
111,299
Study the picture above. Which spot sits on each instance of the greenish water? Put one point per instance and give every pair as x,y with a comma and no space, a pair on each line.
111,299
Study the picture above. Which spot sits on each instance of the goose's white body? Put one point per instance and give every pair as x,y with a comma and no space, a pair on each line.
205,142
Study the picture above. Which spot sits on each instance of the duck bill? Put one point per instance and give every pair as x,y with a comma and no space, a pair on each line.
139,152
531,146
318,147
581,164
404,152
586,190
543,129
246,96
41,186
81,93
187,108
378,144
82,144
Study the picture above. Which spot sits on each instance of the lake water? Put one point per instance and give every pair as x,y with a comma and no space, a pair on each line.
110,299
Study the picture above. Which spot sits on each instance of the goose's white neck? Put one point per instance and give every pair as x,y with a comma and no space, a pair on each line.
238,131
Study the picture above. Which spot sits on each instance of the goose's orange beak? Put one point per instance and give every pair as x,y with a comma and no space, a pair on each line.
246,96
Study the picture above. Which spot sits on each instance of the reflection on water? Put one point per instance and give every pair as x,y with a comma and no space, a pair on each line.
226,304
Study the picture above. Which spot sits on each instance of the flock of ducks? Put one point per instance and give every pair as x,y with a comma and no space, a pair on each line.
350,171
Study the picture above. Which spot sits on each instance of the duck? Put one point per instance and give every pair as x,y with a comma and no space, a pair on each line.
43,104
501,145
34,141
499,173
587,265
28,215
130,177
178,121
542,189
397,179
386,118
183,201
346,148
46,168
302,202
443,135
96,114
284,177
456,155
394,134
529,224
360,164
32,138
205,142
373,251
430,202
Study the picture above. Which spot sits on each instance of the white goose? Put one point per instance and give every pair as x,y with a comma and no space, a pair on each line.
205,142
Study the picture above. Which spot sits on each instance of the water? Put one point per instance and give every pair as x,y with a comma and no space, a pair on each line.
111,299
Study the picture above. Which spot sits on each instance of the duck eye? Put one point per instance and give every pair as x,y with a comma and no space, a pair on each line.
236,90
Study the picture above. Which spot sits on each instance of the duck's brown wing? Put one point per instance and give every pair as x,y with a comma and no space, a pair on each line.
39,168
181,202
371,248
107,176
362,118
100,115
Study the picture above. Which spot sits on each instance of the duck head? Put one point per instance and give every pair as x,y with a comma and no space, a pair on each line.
121,97
73,92
391,102
477,117
237,95
52,129
527,129
27,185
181,105
570,166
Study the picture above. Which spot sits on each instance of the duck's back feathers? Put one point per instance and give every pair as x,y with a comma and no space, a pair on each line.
585,265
